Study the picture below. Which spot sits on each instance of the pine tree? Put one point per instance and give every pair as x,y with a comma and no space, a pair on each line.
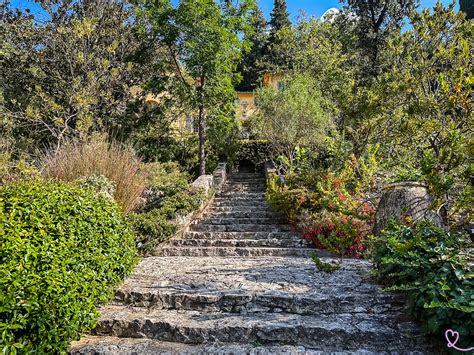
376,20
279,20
467,6
279,17
251,66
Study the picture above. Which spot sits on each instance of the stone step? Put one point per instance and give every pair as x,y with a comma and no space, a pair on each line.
242,235
241,208
241,197
247,173
245,180
243,214
240,243
244,302
234,177
327,332
243,186
108,345
236,252
242,194
249,227
245,220
242,203
255,284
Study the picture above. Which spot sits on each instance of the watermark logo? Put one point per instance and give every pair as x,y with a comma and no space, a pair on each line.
452,337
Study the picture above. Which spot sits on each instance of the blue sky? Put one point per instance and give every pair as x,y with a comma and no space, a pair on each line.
310,7
318,7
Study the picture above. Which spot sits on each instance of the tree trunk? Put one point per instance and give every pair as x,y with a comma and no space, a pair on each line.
201,132
202,141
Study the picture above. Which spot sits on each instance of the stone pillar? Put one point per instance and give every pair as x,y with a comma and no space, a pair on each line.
219,176
270,170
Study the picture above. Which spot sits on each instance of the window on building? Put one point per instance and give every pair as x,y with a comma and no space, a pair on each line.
189,124
281,86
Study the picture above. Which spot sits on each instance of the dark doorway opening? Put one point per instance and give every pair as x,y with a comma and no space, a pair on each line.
246,166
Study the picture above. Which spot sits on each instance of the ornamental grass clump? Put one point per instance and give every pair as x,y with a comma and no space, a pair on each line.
64,250
96,157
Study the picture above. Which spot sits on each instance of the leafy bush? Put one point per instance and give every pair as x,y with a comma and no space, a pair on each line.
15,169
119,164
430,265
160,223
328,213
166,147
99,184
299,115
163,180
254,151
64,250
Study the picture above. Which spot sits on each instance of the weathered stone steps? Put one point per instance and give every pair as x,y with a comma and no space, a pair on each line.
242,214
241,235
241,278
244,188
232,243
243,221
257,285
116,345
331,332
242,194
237,251
248,227
244,302
240,202
244,208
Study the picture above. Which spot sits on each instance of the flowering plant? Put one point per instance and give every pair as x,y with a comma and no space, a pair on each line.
331,213
339,221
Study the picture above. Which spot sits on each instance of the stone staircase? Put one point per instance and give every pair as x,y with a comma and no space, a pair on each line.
240,282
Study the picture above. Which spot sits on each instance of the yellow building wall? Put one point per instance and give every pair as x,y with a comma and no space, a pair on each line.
246,104
246,99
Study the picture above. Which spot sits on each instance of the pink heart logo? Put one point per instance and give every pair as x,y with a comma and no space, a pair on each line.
452,337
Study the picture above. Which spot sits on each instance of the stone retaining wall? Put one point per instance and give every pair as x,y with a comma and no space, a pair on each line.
210,184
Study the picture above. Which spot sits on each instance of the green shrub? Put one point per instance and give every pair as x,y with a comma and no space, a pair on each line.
167,177
99,184
15,169
430,265
254,151
63,251
325,208
159,224
163,180
151,229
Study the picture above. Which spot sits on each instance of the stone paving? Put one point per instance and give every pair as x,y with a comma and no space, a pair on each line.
240,282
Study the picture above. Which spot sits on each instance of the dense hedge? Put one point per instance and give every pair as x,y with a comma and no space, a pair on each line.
254,151
159,224
63,252
430,264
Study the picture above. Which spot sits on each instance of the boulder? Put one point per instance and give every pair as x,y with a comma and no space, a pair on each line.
407,199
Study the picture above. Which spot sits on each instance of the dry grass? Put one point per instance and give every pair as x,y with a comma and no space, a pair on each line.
118,163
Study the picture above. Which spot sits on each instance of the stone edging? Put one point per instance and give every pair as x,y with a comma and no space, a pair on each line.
210,184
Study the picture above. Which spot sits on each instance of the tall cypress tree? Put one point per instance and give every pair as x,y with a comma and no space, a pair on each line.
467,6
252,63
279,17
279,20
